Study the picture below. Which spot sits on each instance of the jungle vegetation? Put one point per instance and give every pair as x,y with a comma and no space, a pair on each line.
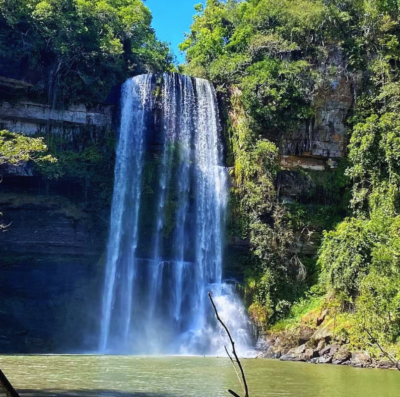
74,51
268,60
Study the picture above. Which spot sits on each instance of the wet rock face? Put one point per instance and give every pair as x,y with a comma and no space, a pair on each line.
49,225
321,141
50,272
22,114
35,118
47,305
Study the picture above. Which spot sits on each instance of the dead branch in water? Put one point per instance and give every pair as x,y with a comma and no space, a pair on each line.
7,386
245,387
384,352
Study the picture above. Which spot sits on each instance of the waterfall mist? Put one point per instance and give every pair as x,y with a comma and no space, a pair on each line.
165,246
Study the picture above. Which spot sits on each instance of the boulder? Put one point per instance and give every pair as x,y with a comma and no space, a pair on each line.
341,355
325,359
323,333
272,352
321,345
309,354
292,355
360,359
329,350
300,349
347,362
334,349
325,350
305,334
385,365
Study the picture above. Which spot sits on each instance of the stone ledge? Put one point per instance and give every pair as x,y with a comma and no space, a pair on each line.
306,162
31,118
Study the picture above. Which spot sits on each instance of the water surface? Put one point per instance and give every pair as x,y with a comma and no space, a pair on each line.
133,376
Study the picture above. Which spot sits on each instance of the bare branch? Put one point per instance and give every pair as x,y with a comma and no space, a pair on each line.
385,353
246,389
234,367
7,386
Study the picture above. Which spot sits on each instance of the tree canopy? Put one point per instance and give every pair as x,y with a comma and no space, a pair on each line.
80,48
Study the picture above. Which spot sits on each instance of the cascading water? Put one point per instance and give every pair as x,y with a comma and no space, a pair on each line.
166,236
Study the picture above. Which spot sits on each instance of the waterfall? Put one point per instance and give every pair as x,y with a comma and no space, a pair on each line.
165,249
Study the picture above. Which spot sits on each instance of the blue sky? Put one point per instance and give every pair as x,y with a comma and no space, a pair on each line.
171,19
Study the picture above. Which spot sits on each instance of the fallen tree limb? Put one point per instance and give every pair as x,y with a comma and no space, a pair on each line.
384,352
246,389
7,386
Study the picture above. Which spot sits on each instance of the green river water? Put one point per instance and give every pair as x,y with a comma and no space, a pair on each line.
132,376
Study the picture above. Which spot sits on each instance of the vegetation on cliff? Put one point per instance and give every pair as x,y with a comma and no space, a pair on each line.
265,58
17,149
75,51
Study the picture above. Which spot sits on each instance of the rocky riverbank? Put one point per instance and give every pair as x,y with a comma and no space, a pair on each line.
303,345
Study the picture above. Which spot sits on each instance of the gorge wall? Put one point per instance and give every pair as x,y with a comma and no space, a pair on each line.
52,253
321,142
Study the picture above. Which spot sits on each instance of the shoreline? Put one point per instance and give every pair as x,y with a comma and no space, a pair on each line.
280,347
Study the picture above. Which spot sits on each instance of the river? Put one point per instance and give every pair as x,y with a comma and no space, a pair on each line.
136,376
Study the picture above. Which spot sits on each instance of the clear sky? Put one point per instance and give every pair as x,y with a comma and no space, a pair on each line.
171,19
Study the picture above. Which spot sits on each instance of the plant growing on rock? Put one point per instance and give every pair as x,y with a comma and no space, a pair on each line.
80,49
17,149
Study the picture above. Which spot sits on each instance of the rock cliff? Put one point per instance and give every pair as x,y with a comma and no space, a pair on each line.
51,251
51,271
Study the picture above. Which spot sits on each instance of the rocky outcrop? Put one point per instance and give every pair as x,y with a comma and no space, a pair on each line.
321,141
290,346
49,225
52,248
22,112
33,118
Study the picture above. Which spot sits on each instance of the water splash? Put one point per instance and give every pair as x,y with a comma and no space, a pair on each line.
166,237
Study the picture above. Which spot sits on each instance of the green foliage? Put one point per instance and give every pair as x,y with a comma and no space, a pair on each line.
299,309
81,48
345,255
85,169
266,58
260,55
378,305
16,149
375,155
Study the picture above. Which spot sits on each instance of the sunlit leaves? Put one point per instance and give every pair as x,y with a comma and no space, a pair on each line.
82,47
16,149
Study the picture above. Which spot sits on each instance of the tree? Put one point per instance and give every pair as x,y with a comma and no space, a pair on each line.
16,149
81,47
